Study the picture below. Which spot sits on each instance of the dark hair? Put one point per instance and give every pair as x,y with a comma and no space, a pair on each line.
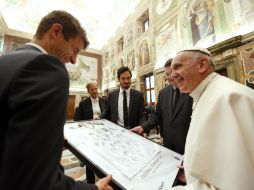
168,63
122,70
70,25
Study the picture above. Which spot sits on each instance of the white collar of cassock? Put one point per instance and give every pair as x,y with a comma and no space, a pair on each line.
198,91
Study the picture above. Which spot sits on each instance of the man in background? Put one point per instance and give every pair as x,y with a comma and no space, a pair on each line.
173,113
125,105
33,98
219,151
90,108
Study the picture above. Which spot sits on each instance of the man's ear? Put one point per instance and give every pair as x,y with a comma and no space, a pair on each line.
203,65
55,30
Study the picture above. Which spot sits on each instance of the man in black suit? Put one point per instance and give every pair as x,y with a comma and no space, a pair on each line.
125,105
173,112
90,108
33,99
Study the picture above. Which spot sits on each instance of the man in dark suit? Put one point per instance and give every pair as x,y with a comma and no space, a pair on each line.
93,106
125,105
33,99
173,112
90,108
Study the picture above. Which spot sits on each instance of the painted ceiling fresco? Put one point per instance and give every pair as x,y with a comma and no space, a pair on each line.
100,18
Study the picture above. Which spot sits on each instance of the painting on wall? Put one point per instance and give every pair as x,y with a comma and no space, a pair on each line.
84,71
162,6
131,60
106,57
120,62
166,43
243,15
112,52
106,78
144,53
129,36
202,20
113,71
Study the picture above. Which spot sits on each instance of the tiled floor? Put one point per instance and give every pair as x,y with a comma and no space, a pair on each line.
72,166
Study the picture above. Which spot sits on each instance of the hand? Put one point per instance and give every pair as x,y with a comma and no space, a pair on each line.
181,176
139,130
96,117
102,184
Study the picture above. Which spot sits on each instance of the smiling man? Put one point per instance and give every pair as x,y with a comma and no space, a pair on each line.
125,105
33,98
219,151
173,115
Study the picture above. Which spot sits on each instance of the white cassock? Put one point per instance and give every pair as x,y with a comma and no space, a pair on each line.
219,150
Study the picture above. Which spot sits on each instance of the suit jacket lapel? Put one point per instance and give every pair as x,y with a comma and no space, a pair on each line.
131,101
179,104
170,101
100,104
115,102
90,105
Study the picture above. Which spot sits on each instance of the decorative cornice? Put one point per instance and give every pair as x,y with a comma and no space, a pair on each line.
146,69
20,34
248,38
226,44
159,70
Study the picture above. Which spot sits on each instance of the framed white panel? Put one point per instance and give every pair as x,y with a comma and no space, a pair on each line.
134,161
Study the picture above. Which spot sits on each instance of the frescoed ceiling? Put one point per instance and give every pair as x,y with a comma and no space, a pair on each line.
100,18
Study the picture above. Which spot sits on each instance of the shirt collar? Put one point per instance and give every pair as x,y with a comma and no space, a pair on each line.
174,87
94,100
127,91
195,94
37,46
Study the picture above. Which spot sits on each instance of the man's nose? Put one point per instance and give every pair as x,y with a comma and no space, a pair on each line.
173,75
73,59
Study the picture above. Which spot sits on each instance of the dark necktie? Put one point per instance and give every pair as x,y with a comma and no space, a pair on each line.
125,110
176,98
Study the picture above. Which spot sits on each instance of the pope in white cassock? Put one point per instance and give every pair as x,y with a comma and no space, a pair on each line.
219,151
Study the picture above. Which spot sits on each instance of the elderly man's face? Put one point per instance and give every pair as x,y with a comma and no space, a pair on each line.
93,91
185,72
